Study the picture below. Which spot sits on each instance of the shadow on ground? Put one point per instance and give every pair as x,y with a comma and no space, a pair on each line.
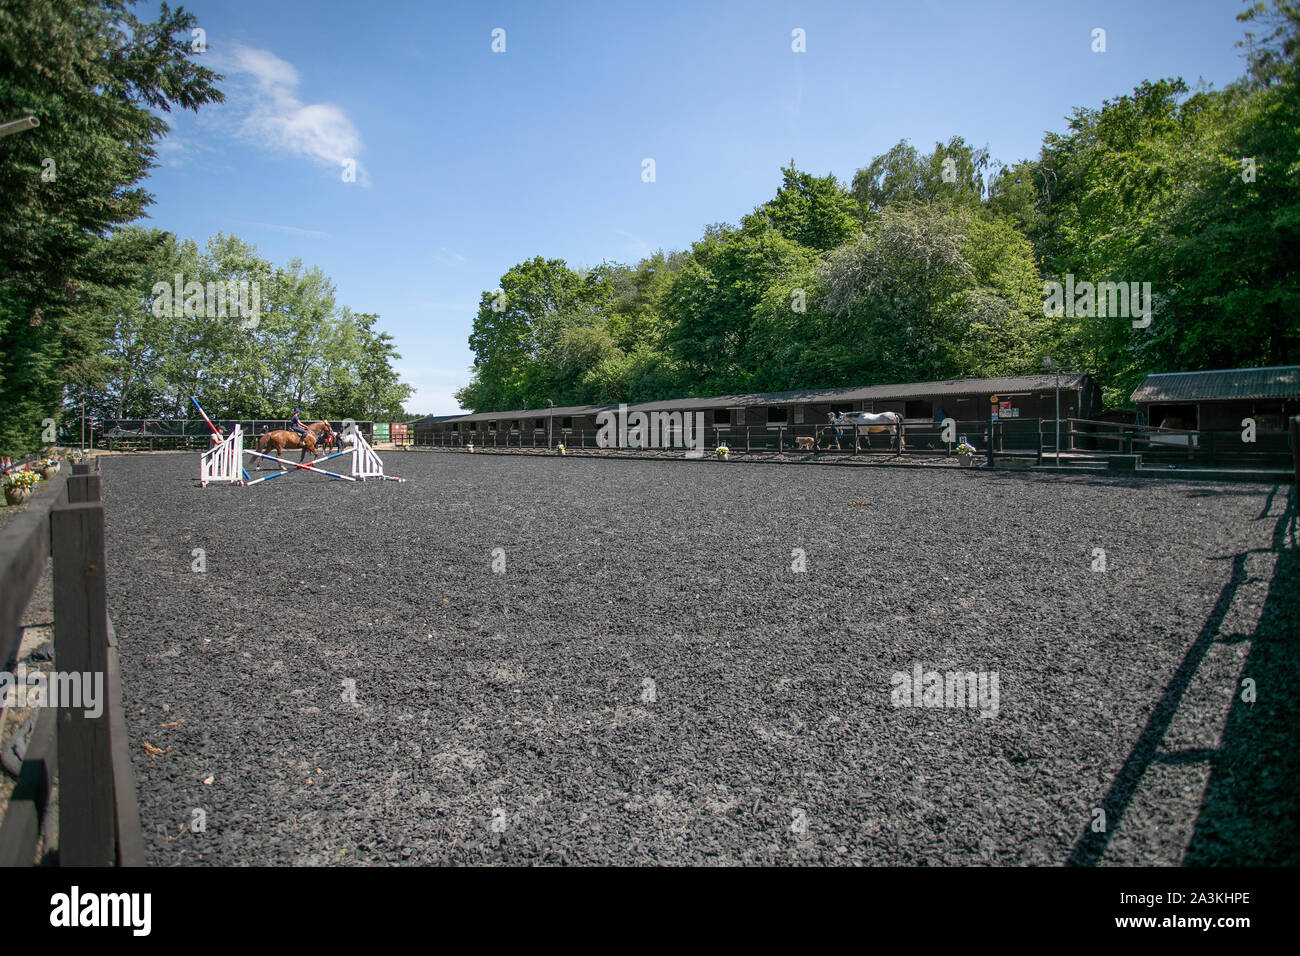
1250,812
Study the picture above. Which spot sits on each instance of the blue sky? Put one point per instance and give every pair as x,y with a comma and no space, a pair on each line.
469,161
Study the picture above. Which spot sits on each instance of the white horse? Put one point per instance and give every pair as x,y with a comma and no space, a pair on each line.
886,422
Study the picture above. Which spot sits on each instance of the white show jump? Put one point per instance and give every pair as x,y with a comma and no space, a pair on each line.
224,461
365,463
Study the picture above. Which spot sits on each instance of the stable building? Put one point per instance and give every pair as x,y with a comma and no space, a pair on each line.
1220,399
966,400
528,426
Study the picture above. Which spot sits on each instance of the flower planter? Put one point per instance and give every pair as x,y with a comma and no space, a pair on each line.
48,473
16,496
967,461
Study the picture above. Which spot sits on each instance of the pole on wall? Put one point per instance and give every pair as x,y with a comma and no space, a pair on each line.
1295,453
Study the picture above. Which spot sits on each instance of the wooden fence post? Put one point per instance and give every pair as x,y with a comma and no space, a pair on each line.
87,822
83,488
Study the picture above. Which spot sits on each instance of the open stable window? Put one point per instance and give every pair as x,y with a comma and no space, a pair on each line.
539,423
776,414
492,426
918,408
566,422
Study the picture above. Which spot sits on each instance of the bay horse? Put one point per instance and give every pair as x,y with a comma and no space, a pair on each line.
282,438
887,422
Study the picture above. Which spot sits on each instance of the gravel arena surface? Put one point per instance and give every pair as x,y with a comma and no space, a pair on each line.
648,680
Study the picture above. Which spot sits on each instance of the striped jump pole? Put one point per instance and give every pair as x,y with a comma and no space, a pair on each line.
294,464
216,431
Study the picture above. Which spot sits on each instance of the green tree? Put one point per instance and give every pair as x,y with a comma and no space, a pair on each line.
813,211
98,78
952,172
711,302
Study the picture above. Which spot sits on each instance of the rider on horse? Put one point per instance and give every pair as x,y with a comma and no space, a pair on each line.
297,426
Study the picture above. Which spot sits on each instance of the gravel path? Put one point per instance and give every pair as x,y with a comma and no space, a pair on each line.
649,681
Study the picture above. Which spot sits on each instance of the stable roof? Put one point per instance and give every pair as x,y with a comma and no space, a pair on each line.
1278,381
960,386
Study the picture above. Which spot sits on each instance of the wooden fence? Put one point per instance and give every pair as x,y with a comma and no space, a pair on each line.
98,816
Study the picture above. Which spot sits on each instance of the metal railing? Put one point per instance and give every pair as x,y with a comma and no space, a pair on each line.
919,437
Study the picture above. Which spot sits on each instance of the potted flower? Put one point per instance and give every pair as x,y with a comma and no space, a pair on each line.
966,454
19,485
723,452
560,448
49,468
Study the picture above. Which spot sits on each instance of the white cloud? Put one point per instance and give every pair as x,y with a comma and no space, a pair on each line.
176,152
278,120
292,230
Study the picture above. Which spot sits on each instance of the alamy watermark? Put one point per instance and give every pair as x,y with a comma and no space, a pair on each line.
72,689
1128,300
974,690
622,429
213,300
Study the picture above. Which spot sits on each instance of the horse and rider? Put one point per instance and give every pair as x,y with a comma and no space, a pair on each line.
297,435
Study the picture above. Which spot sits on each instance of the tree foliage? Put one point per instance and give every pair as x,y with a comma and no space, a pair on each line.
97,78
77,280
933,265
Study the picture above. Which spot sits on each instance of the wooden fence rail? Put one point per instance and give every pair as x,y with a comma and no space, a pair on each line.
98,820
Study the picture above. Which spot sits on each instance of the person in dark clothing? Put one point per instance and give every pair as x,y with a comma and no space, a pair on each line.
838,422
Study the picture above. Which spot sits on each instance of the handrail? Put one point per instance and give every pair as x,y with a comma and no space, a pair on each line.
1150,428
